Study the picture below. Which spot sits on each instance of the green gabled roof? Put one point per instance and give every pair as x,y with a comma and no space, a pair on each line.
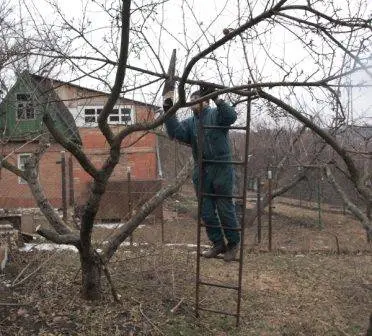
48,102
61,113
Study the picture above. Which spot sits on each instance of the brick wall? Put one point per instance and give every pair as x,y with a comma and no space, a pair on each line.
140,157
14,194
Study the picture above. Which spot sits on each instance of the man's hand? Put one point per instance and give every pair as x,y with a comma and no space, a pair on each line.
167,104
206,90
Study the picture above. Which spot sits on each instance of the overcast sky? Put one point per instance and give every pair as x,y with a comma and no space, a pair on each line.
193,25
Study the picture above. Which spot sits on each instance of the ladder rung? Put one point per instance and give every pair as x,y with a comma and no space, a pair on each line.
218,285
222,196
224,127
221,227
217,311
224,161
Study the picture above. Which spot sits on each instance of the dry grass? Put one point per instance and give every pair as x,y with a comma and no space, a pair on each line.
302,288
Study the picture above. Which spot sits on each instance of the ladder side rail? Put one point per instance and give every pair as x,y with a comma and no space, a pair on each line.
241,254
201,194
200,143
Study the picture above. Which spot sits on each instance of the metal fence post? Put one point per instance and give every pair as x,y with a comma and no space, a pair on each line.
64,188
71,182
259,225
129,202
269,176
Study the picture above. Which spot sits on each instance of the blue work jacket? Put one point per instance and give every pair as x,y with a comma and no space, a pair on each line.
215,142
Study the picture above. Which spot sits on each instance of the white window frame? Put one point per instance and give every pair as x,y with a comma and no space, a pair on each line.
113,118
21,165
25,104
122,115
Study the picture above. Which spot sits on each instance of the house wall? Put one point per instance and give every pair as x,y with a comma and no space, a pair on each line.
141,158
14,194
138,153
77,99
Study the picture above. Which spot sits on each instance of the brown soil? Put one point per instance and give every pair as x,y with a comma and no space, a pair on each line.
316,281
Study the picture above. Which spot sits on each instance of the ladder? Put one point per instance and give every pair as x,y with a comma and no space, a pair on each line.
237,287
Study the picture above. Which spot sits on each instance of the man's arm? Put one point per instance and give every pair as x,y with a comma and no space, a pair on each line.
178,130
226,114
175,129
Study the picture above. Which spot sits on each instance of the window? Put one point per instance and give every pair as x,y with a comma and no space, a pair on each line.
90,115
118,115
25,107
22,159
125,115
114,116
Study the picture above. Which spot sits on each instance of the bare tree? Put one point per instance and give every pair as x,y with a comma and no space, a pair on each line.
333,44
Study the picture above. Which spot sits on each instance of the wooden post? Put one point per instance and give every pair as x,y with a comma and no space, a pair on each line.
64,187
129,201
319,199
269,176
162,230
71,182
259,225
175,159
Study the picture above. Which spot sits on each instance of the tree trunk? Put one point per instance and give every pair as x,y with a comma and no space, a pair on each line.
91,275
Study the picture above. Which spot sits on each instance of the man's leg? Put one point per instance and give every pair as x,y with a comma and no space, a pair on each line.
227,214
210,218
223,184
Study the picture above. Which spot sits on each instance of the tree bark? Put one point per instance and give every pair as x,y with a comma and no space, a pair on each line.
91,271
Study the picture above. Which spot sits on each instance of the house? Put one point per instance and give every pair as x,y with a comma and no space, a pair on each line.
75,111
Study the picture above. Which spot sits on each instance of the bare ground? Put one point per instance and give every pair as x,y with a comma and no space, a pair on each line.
314,282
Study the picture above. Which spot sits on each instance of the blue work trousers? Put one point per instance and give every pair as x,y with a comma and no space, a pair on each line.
218,213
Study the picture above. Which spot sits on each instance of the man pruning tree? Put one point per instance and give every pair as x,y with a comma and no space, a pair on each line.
218,213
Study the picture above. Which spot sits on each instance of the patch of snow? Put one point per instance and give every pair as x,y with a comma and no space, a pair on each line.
127,243
109,225
47,247
186,245
115,225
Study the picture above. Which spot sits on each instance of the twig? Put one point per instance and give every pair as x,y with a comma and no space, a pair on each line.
149,321
13,304
113,290
174,309
20,274
108,276
76,274
35,271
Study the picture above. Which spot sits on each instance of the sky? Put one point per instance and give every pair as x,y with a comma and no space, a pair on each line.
189,26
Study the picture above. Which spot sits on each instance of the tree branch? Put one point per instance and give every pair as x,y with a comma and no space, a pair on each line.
70,146
127,229
67,238
350,205
272,11
353,171
120,73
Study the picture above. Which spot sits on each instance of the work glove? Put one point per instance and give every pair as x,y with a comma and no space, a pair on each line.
206,90
167,104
